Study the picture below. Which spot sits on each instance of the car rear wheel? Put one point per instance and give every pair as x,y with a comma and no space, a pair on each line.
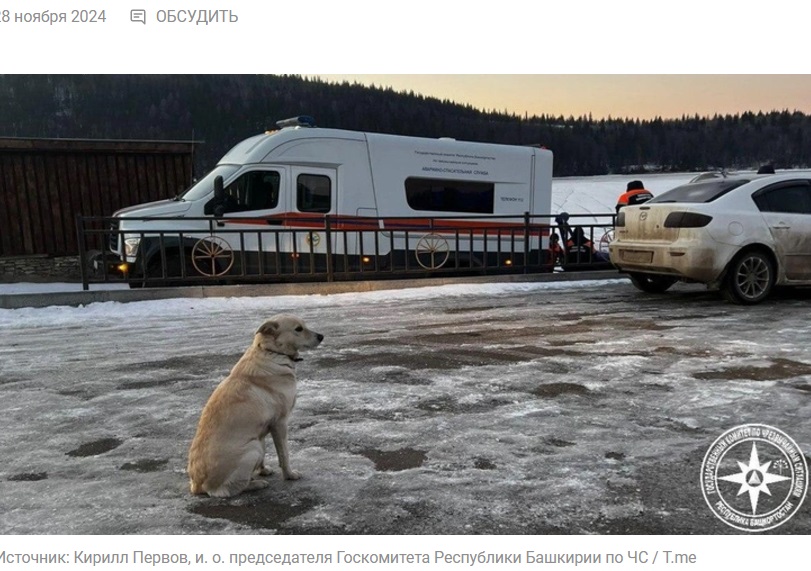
750,278
651,283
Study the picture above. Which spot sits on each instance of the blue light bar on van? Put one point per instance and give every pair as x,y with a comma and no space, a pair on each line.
299,121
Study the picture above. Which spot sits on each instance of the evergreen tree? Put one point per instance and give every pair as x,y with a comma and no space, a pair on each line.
221,110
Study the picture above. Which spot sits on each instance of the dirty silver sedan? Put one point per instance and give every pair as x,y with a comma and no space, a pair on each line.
742,234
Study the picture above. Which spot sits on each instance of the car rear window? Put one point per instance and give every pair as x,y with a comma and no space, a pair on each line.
703,191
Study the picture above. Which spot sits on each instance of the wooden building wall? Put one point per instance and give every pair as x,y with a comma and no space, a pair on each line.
45,183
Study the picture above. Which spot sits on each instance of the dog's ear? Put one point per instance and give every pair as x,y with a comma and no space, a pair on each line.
269,328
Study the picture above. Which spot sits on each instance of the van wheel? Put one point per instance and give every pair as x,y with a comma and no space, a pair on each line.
154,272
652,283
749,278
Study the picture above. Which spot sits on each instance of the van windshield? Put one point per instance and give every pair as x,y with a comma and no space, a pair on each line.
206,184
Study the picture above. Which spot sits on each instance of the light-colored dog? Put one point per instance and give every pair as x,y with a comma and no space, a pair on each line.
228,451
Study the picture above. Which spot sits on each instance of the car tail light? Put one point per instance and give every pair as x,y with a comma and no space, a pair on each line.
686,220
620,221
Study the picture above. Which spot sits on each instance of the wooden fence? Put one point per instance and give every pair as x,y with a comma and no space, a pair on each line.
46,183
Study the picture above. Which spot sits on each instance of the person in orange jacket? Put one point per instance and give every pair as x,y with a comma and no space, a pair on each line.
635,193
556,253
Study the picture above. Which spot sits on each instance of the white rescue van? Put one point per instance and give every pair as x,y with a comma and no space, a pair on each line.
278,195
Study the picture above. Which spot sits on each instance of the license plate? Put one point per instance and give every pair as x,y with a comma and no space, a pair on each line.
637,257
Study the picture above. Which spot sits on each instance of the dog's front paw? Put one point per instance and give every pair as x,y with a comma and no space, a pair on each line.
291,475
265,471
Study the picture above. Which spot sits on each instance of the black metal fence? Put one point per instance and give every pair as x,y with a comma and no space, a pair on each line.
164,251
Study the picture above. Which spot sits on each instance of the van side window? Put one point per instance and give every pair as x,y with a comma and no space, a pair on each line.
313,193
255,190
439,195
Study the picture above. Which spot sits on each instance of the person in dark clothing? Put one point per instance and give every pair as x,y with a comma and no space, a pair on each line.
578,242
635,193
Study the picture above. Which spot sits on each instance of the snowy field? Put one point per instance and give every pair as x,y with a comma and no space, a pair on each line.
567,408
598,194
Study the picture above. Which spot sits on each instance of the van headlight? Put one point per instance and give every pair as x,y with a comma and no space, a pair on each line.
131,246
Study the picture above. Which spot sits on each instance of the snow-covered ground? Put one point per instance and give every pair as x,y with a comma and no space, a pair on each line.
54,287
581,407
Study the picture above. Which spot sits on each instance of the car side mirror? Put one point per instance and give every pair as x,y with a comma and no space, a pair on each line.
217,206
219,192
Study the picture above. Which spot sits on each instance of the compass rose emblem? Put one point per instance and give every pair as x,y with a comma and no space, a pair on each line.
754,477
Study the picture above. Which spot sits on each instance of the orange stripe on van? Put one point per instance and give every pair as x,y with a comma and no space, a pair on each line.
362,223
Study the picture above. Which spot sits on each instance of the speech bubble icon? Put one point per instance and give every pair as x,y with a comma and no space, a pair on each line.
138,16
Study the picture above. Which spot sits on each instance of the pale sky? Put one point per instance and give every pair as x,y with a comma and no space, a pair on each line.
617,96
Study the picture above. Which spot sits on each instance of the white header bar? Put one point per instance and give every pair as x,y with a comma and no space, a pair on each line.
418,36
